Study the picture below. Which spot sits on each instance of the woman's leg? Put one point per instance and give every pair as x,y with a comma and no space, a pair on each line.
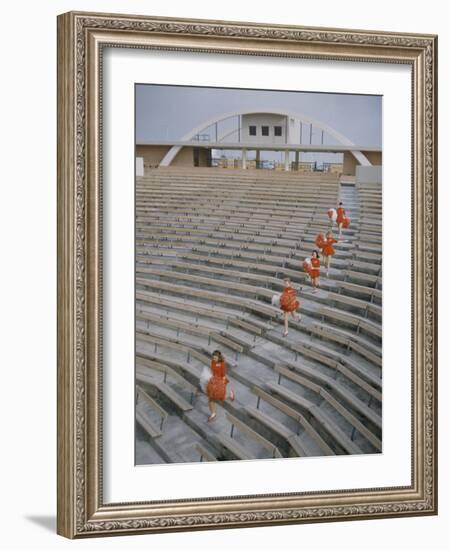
340,225
285,323
328,264
213,409
230,394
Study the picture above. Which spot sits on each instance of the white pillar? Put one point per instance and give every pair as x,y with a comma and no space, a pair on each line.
140,171
244,159
286,161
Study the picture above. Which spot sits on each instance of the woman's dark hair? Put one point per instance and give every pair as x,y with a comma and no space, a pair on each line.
340,203
218,352
316,252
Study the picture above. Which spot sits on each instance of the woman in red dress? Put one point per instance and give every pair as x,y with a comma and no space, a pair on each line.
315,269
342,219
289,302
216,387
328,250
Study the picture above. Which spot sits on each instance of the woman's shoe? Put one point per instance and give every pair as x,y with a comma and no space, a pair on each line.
212,417
232,395
285,333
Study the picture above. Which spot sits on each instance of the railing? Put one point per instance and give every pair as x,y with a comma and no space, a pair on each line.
201,137
303,166
327,167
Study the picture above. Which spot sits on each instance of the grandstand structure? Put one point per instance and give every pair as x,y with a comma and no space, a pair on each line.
248,136
212,248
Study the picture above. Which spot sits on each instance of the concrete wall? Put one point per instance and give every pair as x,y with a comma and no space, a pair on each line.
152,154
263,119
374,157
350,163
185,157
368,174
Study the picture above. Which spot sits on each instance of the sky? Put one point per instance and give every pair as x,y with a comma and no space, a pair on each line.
167,113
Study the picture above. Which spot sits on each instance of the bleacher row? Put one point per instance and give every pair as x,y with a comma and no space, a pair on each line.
211,251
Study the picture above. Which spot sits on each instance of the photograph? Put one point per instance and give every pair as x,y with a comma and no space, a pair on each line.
258,274
222,247
247,278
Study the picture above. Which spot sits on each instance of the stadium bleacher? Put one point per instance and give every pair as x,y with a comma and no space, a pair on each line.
212,247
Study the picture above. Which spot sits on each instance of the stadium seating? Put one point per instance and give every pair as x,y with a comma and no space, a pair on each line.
212,248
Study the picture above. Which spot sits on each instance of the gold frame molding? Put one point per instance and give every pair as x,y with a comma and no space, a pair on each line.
81,39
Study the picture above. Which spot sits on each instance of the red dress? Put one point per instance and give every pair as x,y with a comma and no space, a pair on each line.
289,301
341,215
328,249
315,271
216,387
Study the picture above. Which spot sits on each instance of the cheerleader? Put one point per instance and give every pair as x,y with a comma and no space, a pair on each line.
289,302
315,269
216,386
328,250
342,219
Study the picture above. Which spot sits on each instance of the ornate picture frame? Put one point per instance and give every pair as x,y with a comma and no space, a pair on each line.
82,39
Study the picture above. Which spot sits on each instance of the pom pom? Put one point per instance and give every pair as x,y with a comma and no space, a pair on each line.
276,300
320,240
206,375
307,265
332,213
346,223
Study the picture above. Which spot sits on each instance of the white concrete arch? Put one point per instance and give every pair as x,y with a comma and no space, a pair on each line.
171,154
